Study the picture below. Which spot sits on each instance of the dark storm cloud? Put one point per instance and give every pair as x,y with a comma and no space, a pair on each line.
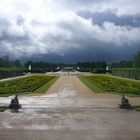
100,18
70,31
9,36
76,55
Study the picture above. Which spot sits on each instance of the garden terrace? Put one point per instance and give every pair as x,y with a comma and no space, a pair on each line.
23,85
110,84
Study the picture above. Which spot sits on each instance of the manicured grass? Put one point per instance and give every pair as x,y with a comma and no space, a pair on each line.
113,85
23,85
2,109
46,86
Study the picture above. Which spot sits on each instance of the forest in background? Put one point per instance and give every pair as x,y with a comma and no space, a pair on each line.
11,68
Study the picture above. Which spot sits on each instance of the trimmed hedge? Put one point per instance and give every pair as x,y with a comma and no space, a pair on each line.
127,73
26,84
6,73
99,70
13,72
111,84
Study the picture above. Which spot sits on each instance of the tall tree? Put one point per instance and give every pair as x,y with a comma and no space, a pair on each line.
17,63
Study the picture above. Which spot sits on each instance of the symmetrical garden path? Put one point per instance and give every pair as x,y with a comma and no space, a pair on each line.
70,111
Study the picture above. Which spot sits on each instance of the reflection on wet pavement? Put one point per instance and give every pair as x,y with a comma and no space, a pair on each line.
69,111
66,97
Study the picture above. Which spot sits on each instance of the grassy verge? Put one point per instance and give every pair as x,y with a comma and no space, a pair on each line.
46,86
103,83
137,108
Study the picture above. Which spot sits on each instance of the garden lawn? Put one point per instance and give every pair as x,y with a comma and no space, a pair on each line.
23,85
111,84
46,86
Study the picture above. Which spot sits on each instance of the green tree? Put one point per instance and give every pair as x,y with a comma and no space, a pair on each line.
17,63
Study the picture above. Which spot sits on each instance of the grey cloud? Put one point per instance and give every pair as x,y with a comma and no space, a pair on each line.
72,33
108,16
118,7
20,20
77,55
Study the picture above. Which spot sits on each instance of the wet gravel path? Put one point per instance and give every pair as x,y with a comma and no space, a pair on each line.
70,111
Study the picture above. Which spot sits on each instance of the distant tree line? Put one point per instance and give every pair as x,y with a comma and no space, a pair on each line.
135,63
5,62
9,68
122,64
97,67
40,67
83,66
128,69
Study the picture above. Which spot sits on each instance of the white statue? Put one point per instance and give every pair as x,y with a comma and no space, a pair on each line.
30,67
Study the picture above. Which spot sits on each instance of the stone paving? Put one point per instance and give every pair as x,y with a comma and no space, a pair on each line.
70,111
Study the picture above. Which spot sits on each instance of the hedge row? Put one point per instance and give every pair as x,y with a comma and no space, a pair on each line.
95,70
11,72
6,73
127,73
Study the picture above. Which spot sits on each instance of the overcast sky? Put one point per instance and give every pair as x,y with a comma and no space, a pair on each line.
70,30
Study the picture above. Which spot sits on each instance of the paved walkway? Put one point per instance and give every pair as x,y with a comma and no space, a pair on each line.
70,111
